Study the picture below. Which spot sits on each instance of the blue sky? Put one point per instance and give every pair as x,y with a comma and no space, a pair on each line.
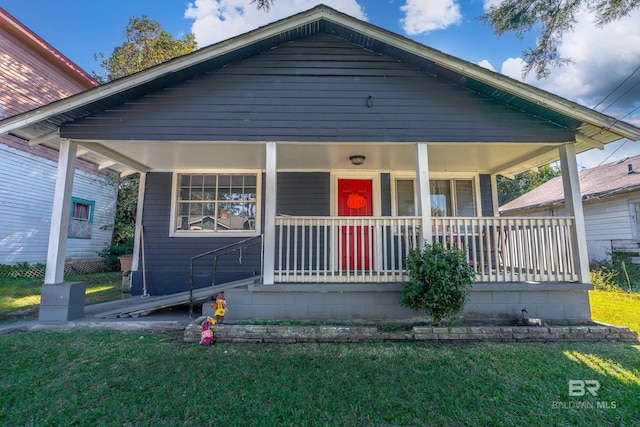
603,57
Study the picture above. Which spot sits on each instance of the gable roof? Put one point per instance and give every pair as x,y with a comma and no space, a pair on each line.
592,129
45,50
606,180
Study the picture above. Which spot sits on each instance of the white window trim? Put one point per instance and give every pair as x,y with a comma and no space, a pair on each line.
231,233
435,176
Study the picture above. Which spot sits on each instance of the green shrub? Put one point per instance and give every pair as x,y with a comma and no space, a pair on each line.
22,270
604,279
619,273
111,253
440,280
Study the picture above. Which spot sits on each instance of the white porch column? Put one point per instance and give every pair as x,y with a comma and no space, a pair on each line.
424,194
139,211
269,228
54,272
573,203
494,194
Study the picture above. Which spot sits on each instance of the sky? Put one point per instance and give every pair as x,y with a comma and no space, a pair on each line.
604,73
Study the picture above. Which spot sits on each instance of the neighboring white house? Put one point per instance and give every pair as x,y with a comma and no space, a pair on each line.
611,202
33,73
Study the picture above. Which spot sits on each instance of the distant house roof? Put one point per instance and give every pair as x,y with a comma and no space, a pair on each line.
603,181
25,35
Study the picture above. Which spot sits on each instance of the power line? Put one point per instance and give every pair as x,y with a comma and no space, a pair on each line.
618,98
617,87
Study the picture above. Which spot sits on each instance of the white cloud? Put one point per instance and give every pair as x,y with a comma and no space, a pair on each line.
423,16
486,64
602,59
488,3
218,20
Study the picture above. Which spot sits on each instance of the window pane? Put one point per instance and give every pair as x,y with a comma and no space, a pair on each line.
237,180
440,197
216,202
209,193
464,198
197,180
210,180
81,211
405,197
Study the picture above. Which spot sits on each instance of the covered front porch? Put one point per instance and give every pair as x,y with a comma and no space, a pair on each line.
338,248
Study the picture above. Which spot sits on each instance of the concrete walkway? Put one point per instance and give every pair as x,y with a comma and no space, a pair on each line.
173,318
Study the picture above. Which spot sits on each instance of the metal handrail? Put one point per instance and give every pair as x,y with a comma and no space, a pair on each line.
237,246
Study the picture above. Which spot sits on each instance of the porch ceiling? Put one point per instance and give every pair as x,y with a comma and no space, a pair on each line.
443,157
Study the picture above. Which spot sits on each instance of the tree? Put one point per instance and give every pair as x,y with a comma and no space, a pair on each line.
263,4
146,44
553,18
509,189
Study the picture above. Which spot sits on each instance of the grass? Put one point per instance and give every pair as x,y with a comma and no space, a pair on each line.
20,298
128,379
616,308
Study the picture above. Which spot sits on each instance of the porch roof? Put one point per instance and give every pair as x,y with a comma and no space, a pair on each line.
592,129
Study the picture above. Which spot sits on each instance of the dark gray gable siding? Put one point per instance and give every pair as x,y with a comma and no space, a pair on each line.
316,89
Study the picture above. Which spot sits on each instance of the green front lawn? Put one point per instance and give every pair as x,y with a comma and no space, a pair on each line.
134,379
20,298
616,308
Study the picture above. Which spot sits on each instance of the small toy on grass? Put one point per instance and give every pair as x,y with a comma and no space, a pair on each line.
220,307
206,337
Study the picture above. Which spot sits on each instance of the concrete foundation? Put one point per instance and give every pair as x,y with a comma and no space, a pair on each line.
62,301
500,303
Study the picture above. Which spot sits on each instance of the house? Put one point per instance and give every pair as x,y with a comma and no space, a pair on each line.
339,146
33,73
610,200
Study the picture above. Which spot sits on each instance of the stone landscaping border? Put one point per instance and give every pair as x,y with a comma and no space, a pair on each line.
345,334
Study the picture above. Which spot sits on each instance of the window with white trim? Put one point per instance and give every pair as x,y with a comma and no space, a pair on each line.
216,203
81,218
449,197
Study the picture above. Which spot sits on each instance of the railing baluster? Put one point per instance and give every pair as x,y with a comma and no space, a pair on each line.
373,250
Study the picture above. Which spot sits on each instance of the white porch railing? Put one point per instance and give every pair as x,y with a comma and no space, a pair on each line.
513,249
373,249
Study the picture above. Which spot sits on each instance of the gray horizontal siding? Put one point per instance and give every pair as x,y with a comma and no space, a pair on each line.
167,258
304,194
316,89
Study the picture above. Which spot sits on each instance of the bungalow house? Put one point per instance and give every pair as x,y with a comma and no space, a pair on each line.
611,205
32,74
337,146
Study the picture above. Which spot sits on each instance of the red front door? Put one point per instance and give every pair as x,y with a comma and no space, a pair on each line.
354,199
